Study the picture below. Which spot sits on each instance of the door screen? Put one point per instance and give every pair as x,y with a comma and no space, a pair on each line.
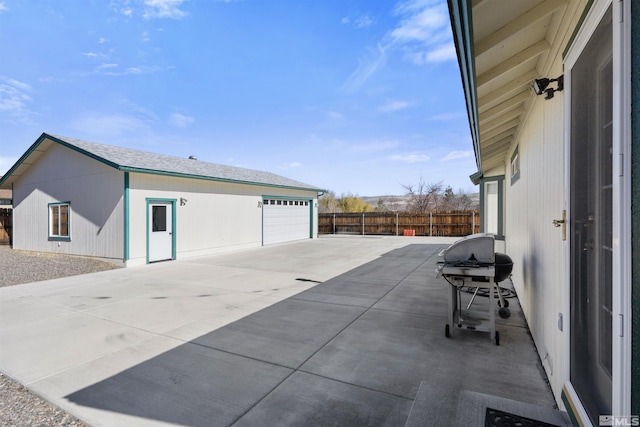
591,221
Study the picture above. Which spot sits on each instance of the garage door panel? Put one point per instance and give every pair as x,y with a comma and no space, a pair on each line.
286,221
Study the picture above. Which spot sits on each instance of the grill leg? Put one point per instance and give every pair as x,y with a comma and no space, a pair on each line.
473,298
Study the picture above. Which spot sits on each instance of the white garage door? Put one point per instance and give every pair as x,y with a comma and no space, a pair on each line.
284,220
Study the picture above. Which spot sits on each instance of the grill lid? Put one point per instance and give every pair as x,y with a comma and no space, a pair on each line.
475,247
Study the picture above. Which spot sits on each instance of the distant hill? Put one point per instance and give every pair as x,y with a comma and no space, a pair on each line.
400,202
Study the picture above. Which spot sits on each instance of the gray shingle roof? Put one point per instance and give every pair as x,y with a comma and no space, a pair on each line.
127,159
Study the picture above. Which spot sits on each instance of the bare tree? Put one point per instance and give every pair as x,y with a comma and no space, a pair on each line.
422,196
459,201
327,203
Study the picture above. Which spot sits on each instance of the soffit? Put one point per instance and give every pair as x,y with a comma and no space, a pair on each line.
513,41
29,158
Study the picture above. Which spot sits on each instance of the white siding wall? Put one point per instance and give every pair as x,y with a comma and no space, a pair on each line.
95,192
533,243
217,216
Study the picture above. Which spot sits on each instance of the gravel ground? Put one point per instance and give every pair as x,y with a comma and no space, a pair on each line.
18,406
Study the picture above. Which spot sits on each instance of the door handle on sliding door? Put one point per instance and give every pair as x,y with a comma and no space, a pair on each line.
562,222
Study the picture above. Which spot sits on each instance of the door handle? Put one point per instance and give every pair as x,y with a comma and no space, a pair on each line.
562,223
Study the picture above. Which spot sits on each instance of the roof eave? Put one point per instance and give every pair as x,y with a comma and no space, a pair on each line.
211,178
7,178
462,27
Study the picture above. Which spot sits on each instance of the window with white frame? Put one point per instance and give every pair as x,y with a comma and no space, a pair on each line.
59,221
515,166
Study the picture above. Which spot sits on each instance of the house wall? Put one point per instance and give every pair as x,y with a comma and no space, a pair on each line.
534,244
635,208
95,192
217,215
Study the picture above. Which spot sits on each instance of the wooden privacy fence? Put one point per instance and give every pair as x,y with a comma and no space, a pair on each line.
6,226
446,223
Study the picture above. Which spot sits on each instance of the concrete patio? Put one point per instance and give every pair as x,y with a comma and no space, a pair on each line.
237,339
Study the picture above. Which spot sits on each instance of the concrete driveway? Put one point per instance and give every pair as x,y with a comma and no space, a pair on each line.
238,339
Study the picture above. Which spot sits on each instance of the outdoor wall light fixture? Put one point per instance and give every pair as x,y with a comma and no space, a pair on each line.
540,86
183,201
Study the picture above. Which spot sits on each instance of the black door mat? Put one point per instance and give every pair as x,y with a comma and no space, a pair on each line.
495,418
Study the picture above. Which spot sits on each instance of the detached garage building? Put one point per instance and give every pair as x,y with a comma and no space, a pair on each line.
83,198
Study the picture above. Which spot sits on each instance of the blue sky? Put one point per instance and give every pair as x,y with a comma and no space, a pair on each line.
355,96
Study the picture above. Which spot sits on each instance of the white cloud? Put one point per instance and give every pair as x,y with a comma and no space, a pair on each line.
363,21
366,68
410,158
102,40
392,105
292,165
345,20
445,116
374,146
163,9
15,99
112,70
423,32
334,115
423,26
454,155
180,120
95,55
106,66
104,127
3,7
443,53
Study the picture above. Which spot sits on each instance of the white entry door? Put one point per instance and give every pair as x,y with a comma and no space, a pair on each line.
160,232
591,211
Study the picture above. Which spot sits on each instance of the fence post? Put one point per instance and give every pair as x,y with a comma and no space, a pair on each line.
397,225
473,222
430,223
363,223
334,223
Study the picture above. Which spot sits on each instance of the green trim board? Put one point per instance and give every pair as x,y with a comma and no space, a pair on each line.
460,14
586,10
500,180
124,168
569,406
58,238
209,178
80,150
635,208
306,199
127,222
35,146
173,202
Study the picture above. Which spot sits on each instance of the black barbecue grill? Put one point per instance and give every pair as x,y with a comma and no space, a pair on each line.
472,263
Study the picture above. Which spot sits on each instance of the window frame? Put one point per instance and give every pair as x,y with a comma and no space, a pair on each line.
58,237
515,166
499,205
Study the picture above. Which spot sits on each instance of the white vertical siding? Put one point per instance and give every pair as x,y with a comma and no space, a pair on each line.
217,215
95,193
534,244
